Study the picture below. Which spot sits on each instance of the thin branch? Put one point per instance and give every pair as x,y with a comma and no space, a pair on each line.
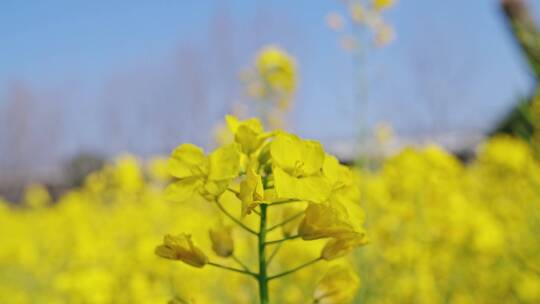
233,269
295,269
237,260
274,253
292,218
282,240
237,221
288,201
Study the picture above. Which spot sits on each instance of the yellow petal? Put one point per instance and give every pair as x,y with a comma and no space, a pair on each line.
182,190
337,248
312,188
224,163
296,156
187,160
286,151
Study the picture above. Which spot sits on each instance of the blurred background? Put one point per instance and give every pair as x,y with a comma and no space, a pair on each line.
97,79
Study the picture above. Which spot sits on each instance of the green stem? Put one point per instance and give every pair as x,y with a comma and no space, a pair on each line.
220,206
294,269
273,254
232,269
237,260
292,218
262,277
288,201
282,240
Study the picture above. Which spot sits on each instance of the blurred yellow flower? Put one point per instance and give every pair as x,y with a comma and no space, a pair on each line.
36,196
382,4
277,70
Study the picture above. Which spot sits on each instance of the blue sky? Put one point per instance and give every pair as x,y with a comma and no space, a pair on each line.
452,67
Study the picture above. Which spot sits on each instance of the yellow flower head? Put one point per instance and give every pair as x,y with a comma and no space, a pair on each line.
197,173
277,70
298,168
181,248
338,286
222,241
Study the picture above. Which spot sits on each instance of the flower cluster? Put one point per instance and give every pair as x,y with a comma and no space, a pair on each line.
365,14
445,232
271,82
440,232
257,172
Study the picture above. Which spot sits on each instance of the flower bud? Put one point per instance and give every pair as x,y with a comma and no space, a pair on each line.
181,248
222,241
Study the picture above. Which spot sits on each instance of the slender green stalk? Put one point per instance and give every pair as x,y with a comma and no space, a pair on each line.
262,277
237,221
282,240
294,269
237,260
292,218
232,269
288,201
273,254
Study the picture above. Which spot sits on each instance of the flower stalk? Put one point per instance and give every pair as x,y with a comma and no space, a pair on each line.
262,277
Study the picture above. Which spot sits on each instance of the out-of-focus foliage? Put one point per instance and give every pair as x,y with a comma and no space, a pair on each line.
77,168
524,121
440,232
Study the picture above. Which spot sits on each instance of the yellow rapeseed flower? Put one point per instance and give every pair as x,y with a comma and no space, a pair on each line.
277,70
197,173
297,168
